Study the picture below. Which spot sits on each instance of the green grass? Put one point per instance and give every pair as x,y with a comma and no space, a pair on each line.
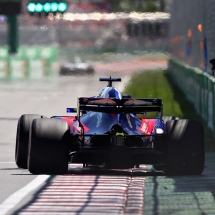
158,84
155,56
154,84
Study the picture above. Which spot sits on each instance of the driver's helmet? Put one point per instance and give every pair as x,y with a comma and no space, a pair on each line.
110,92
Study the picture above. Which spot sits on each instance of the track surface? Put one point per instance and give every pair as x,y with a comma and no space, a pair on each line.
89,190
94,194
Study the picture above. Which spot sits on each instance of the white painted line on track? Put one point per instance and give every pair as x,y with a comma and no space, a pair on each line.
16,197
6,162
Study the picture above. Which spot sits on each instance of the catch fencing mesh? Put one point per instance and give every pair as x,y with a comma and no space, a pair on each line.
192,28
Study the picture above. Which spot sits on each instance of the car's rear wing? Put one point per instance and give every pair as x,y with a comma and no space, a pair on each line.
125,105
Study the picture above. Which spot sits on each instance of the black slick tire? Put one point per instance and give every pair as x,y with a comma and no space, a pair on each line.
185,150
158,167
167,118
22,136
48,153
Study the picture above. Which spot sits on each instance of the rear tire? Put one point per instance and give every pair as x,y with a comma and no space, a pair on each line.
158,167
22,136
167,118
48,153
185,153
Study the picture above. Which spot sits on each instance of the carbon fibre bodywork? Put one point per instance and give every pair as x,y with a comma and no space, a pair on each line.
108,132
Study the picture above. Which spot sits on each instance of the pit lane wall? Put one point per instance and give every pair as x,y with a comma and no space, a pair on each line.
199,88
29,62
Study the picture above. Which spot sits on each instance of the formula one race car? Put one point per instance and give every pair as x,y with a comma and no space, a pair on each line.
111,131
77,68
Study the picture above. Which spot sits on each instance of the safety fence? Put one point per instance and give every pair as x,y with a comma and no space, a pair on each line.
29,62
192,28
198,86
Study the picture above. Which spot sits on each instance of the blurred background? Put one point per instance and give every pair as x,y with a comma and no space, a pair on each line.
56,50
78,34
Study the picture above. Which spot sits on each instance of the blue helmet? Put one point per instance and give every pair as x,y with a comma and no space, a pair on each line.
110,92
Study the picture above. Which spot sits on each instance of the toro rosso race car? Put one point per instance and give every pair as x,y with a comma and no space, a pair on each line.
110,131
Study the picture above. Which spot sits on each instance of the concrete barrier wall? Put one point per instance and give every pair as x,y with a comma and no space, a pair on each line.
199,88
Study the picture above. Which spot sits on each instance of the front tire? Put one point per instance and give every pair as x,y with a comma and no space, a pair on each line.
48,153
185,152
22,136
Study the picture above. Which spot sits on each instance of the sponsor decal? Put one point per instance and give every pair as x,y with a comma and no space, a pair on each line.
74,124
147,126
69,120
129,120
99,119
85,127
91,113
76,129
